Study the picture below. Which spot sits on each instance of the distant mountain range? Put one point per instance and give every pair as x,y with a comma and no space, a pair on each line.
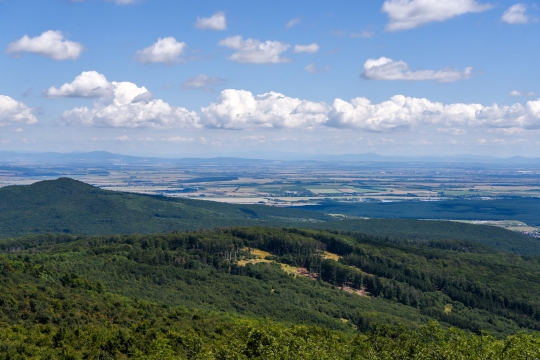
107,158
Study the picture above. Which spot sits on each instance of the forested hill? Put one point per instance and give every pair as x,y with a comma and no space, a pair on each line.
263,293
72,207
69,206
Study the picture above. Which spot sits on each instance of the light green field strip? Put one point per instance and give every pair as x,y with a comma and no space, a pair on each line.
364,190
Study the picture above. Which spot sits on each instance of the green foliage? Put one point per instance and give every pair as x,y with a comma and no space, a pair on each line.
182,296
72,207
440,231
409,283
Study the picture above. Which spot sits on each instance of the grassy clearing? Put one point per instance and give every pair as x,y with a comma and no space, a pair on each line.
330,256
259,256
289,269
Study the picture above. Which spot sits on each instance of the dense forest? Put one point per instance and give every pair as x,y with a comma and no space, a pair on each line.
519,208
72,207
203,294
96,274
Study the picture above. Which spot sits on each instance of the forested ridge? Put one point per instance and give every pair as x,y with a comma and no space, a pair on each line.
187,295
72,207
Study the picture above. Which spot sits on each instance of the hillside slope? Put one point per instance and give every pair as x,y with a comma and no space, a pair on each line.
385,282
72,207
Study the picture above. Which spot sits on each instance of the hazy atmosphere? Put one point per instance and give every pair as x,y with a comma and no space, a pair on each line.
213,78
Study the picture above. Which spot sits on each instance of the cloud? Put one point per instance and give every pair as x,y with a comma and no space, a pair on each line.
122,138
402,113
177,139
93,85
50,43
239,109
452,131
254,51
119,104
513,116
293,22
164,50
409,14
13,111
507,131
311,48
397,114
388,69
205,82
90,84
515,14
363,35
312,68
149,114
522,93
126,105
214,22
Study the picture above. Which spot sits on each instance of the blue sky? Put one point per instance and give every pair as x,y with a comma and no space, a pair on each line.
171,78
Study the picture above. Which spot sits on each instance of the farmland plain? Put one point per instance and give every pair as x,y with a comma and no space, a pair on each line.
414,189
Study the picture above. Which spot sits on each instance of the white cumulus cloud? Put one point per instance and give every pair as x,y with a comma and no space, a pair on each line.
311,48
254,51
164,50
402,113
409,14
91,84
516,14
514,116
147,114
388,69
218,21
240,109
13,111
50,43
119,104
